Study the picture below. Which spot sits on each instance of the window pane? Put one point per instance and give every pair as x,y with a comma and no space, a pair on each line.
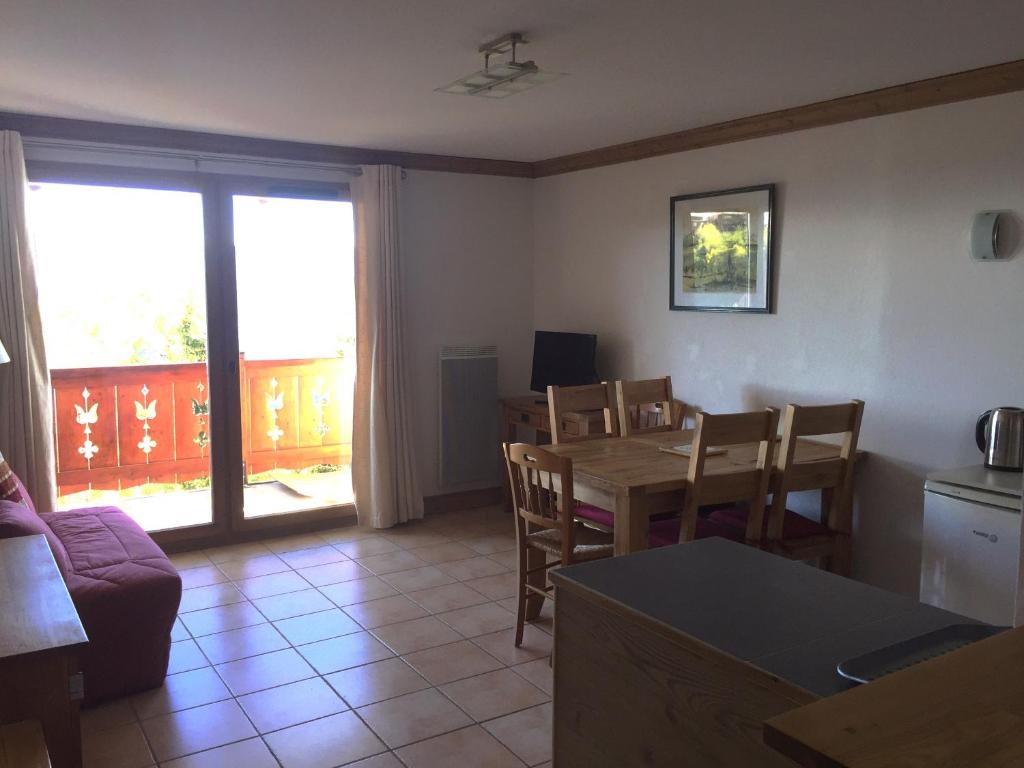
122,295
296,333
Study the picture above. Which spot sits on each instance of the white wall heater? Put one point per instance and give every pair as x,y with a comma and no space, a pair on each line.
468,391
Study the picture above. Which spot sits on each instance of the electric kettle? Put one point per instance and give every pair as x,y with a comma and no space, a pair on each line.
1000,436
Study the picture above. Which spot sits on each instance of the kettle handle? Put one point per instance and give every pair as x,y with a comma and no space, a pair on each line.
980,429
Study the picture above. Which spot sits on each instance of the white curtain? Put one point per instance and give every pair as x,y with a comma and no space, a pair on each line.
26,428
383,472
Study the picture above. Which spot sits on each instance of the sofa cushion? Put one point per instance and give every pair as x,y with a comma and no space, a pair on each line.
100,541
11,487
127,594
16,519
8,482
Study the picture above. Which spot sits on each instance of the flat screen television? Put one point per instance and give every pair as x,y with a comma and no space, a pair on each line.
563,359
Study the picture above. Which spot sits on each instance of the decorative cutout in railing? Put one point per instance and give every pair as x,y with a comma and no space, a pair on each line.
145,411
201,411
87,416
321,399
275,402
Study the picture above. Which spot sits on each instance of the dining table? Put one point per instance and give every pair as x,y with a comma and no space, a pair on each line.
634,478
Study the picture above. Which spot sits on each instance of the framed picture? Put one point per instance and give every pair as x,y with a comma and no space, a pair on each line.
720,250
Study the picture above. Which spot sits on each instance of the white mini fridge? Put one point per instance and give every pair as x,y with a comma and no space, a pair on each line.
971,542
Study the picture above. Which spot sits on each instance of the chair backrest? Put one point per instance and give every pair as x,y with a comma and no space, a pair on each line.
635,401
748,485
835,474
540,501
589,397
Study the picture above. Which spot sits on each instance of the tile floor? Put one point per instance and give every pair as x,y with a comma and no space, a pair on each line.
350,647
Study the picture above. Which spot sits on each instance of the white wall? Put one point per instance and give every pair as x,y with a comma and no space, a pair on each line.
876,296
466,244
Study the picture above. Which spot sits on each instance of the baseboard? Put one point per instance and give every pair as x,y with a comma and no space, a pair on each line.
285,528
460,500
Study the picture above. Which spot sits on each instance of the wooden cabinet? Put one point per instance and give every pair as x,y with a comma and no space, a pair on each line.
676,656
40,635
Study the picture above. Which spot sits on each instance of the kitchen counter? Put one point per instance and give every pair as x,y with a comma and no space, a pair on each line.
688,649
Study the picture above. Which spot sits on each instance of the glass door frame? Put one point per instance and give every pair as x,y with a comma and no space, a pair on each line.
227,188
228,523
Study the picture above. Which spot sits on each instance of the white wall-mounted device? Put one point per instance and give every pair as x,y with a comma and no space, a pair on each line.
985,237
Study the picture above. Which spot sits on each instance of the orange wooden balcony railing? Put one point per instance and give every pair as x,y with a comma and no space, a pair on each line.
123,426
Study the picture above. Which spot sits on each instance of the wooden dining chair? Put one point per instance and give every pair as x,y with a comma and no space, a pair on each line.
588,397
647,406
723,485
545,522
791,534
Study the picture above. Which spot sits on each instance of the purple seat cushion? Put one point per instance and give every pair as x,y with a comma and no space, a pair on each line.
595,515
664,533
17,519
607,518
794,526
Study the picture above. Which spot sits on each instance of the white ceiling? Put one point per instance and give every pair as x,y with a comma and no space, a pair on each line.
363,72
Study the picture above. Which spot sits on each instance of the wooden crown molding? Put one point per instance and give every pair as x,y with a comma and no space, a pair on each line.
42,127
935,91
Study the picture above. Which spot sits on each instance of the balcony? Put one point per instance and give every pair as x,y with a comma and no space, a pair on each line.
138,436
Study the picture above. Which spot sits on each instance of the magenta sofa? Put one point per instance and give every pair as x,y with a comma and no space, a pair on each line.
125,589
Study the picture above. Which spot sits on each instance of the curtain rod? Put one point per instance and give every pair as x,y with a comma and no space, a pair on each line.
194,157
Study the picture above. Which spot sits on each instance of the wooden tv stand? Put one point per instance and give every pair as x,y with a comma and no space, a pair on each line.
532,411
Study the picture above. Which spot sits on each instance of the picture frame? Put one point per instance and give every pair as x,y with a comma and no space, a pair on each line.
721,250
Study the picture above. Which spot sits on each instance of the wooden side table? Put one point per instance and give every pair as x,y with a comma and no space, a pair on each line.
532,411
40,635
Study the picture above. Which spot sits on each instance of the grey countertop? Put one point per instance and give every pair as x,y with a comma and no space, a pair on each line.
785,617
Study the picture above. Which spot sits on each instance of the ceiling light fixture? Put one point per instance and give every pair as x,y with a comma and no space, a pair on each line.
496,81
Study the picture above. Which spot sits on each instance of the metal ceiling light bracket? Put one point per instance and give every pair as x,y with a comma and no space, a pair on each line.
497,81
505,44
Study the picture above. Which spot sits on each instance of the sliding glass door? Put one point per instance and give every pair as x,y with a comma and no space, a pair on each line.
200,332
296,342
123,302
